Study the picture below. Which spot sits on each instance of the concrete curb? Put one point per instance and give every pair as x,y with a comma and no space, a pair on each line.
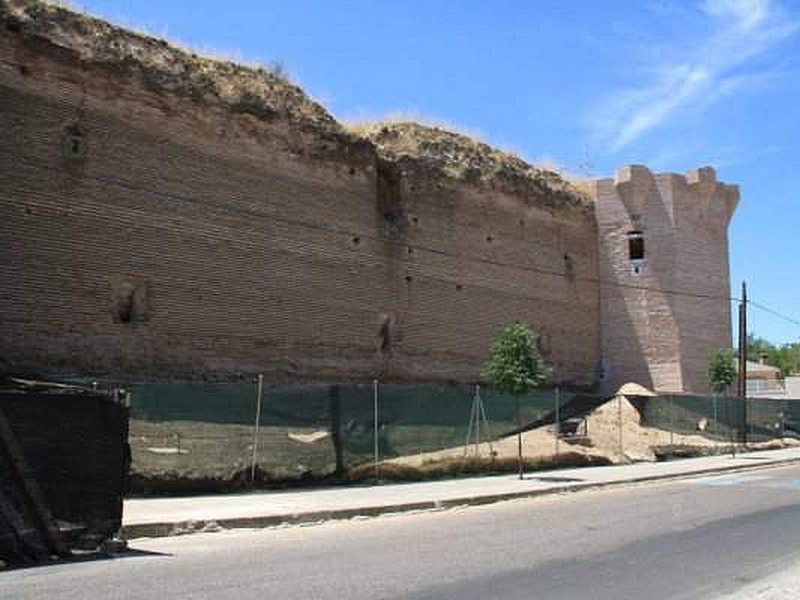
165,529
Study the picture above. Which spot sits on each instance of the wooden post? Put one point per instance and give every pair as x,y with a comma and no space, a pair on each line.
742,381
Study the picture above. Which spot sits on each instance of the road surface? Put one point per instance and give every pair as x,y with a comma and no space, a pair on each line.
732,536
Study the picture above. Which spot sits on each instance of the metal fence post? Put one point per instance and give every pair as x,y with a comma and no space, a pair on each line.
735,427
258,425
471,425
335,427
782,417
746,422
716,420
376,447
619,424
671,425
482,415
519,438
557,428
477,424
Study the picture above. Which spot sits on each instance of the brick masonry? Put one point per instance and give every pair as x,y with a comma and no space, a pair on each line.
150,234
650,334
182,241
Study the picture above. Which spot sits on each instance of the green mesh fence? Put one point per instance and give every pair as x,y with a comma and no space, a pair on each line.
719,418
422,419
725,419
769,418
206,432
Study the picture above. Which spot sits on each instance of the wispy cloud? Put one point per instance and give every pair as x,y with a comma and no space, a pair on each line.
696,74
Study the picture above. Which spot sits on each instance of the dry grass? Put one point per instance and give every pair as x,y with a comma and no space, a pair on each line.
264,91
471,465
366,125
583,184
466,158
261,90
235,55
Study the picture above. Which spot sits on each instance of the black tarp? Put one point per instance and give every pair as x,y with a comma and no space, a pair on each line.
64,461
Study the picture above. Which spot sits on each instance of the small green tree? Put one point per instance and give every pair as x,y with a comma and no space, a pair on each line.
516,366
721,370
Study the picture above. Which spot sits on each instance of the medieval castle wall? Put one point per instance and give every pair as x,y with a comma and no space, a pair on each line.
167,216
147,233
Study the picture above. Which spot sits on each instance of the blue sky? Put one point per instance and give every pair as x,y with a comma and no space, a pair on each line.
588,86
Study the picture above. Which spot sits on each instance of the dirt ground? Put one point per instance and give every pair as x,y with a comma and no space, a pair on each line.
603,439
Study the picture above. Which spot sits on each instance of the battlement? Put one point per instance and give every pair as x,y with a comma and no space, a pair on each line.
697,191
634,184
704,186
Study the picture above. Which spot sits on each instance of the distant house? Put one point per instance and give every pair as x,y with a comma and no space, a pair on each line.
764,381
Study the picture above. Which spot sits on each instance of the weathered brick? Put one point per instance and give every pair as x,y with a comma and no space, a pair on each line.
187,242
660,327
150,228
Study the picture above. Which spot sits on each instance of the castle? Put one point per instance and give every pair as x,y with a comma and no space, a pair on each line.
165,215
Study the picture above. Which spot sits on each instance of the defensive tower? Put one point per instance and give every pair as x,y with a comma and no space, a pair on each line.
663,254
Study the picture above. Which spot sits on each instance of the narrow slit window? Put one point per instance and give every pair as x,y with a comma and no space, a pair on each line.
635,245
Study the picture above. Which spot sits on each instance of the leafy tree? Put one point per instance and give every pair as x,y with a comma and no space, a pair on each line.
786,357
516,366
721,370
757,347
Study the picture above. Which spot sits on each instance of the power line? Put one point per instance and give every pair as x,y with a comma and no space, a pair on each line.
775,313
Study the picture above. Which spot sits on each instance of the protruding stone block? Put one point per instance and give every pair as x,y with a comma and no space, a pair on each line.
633,183
703,174
706,189
730,197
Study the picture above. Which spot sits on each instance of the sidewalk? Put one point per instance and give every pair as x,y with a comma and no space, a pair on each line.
152,517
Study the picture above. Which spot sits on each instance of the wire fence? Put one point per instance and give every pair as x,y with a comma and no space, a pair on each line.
222,435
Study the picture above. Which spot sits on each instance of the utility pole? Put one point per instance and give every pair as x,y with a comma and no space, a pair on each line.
742,381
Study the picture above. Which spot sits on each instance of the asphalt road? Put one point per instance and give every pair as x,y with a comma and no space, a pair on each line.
702,538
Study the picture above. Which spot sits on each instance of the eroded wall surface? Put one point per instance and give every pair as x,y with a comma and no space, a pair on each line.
148,234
